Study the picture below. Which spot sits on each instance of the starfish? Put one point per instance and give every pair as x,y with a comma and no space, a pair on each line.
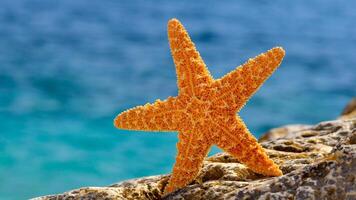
204,112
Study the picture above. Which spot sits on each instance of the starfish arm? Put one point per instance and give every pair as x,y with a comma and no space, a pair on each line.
192,149
159,116
235,88
192,73
235,138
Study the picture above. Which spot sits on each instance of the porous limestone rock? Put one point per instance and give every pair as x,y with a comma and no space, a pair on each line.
318,162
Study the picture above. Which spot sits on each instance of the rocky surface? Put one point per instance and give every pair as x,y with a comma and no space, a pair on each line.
318,162
350,110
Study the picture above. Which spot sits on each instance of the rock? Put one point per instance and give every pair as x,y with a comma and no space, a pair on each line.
350,110
318,162
279,132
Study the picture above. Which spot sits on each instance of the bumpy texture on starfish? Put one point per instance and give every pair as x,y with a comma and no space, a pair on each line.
204,112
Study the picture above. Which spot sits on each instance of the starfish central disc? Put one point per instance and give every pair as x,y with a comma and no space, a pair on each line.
204,112
198,110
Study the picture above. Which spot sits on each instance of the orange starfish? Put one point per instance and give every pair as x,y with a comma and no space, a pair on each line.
204,112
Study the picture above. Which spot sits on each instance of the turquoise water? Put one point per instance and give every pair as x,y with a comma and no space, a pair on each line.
68,67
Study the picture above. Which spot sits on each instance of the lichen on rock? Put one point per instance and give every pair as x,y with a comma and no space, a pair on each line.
318,162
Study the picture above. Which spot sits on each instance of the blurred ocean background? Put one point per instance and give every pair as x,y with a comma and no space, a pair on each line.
68,67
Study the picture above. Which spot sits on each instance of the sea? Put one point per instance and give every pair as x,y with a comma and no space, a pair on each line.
67,68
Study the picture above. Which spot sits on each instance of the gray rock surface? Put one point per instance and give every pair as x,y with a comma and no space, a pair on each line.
318,162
